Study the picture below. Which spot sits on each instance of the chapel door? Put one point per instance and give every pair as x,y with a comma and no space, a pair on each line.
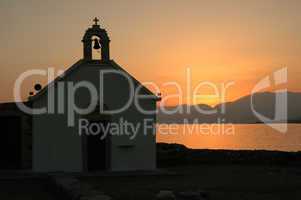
97,153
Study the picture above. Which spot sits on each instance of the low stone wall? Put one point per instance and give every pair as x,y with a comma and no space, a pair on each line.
66,187
69,188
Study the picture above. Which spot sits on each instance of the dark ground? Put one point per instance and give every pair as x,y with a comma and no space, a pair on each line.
222,174
219,181
24,189
231,182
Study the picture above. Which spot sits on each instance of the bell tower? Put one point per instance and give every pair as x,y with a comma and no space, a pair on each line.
102,42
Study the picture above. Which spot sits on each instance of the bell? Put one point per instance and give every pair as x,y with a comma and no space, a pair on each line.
96,44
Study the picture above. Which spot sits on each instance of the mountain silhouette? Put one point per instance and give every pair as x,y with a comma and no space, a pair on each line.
238,111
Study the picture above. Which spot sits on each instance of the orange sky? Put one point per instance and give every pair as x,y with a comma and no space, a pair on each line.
219,40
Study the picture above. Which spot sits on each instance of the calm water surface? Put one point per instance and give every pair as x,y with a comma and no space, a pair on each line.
236,136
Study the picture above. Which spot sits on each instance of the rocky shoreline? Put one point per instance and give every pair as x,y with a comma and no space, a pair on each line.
179,155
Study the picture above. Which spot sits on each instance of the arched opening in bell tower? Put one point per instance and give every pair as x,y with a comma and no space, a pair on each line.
96,42
96,48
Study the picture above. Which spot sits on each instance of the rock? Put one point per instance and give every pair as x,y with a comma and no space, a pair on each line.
69,187
94,192
165,195
204,194
97,197
190,195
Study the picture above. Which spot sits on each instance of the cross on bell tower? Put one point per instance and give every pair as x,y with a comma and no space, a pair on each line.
95,20
103,40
